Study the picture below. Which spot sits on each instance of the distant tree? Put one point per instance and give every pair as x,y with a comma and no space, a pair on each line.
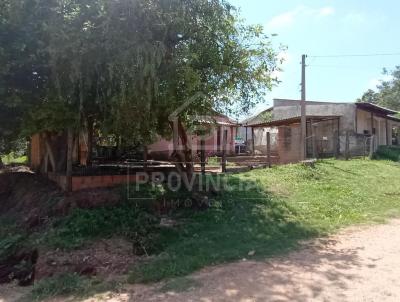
388,92
370,96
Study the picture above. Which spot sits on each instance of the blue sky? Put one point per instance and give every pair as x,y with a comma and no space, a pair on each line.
328,27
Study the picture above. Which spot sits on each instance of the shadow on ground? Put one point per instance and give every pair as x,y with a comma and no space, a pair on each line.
302,276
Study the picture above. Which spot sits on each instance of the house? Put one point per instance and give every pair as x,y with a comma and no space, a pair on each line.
330,127
216,125
45,152
245,131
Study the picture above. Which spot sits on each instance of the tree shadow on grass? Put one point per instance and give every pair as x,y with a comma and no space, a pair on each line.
242,222
320,271
333,166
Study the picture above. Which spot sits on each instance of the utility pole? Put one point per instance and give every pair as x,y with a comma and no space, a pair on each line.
303,138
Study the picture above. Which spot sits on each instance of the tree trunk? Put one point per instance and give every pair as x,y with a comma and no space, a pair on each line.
183,158
50,154
28,153
70,143
1,163
184,166
90,123
61,157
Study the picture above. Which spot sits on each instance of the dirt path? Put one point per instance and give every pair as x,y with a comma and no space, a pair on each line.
359,264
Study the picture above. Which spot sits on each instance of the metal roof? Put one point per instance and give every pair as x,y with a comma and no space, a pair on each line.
375,108
294,120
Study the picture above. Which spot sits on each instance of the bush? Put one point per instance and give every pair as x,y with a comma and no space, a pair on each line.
125,220
9,245
388,153
12,238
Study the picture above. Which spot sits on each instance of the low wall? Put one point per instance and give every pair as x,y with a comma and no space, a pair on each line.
91,182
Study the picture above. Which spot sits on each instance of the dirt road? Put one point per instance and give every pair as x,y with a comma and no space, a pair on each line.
358,264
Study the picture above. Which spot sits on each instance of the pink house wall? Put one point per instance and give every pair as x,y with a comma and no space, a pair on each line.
162,149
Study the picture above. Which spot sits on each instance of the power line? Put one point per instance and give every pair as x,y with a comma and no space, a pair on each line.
357,55
346,66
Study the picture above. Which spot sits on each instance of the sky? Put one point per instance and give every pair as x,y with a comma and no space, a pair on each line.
328,27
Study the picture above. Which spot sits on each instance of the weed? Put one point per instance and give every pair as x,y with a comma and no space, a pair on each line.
68,284
126,220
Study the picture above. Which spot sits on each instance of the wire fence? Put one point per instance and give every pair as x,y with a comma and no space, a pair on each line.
323,141
268,146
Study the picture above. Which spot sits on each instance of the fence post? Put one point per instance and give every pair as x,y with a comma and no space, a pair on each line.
145,158
202,157
337,145
371,146
223,160
347,146
269,149
252,141
314,140
365,147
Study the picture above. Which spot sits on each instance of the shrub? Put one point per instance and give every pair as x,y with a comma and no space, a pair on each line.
125,220
388,152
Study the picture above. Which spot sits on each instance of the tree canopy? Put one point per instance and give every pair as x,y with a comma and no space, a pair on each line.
127,64
388,92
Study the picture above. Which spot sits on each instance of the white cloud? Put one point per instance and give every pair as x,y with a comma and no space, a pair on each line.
326,11
288,18
355,18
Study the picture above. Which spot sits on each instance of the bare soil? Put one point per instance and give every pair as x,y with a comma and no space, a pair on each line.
358,264
102,258
31,200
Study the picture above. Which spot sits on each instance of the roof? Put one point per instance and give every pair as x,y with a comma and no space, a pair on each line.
255,119
361,105
291,102
393,118
221,119
295,120
375,108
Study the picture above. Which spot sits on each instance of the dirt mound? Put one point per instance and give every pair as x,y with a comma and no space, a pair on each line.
27,197
105,258
31,200
19,266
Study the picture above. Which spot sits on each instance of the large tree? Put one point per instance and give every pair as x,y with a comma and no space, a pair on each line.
128,64
23,64
388,91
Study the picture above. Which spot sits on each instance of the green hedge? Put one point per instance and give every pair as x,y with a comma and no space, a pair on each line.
388,152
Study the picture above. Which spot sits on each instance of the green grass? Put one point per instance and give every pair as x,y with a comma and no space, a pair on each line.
83,225
68,285
216,161
213,161
14,159
12,238
286,204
